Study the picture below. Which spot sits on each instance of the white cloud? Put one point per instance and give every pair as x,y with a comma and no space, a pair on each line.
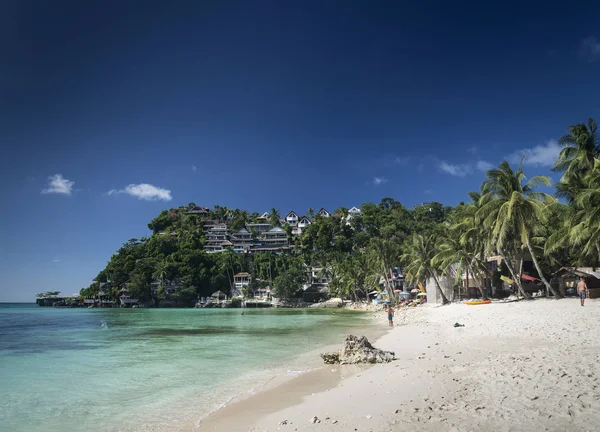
483,166
538,156
589,49
401,160
194,168
144,191
379,181
57,184
458,170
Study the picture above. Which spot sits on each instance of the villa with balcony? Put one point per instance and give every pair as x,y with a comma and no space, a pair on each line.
242,241
292,218
241,281
273,240
323,213
216,239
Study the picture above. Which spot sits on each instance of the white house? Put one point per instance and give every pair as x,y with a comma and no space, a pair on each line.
324,213
302,223
264,217
354,211
240,281
292,218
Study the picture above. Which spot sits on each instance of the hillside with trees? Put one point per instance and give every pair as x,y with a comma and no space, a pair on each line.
509,216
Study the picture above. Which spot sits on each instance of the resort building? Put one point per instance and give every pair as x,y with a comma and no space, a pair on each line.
199,210
354,211
242,241
259,227
125,298
567,278
273,240
241,281
323,213
292,218
302,223
216,238
264,217
169,286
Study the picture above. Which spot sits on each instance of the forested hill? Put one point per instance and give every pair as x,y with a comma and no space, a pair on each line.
176,248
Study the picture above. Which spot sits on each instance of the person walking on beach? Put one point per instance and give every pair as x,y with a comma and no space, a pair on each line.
390,313
582,290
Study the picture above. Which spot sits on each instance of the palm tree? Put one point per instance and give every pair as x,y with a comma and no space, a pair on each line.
511,208
454,257
586,231
418,266
382,256
274,217
581,147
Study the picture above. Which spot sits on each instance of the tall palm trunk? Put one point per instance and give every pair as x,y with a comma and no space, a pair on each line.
439,288
517,280
537,267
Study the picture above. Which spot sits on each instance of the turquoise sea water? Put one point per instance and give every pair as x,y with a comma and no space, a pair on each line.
147,369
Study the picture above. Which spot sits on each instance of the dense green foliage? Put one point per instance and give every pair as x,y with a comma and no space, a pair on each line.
509,217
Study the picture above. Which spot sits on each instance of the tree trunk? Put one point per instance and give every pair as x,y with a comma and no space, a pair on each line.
467,287
537,267
517,280
444,299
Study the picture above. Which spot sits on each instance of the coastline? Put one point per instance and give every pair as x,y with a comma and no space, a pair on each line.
282,393
514,366
313,378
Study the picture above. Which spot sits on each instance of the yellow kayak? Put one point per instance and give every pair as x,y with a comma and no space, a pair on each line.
478,302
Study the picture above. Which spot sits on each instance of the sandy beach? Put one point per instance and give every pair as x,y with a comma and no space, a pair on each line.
521,366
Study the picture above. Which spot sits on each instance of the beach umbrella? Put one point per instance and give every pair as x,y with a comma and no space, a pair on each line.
421,295
397,291
405,294
414,291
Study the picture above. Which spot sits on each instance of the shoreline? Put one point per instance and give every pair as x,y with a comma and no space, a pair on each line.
513,366
236,414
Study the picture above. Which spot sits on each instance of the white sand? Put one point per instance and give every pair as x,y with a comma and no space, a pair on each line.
524,366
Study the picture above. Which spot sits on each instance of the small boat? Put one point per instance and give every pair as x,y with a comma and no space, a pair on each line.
478,302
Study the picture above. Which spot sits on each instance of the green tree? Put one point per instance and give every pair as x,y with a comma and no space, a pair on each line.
512,207
417,259
581,147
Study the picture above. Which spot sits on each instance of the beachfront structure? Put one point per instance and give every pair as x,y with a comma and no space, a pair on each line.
393,279
169,287
241,281
316,277
125,298
292,218
323,213
354,211
567,278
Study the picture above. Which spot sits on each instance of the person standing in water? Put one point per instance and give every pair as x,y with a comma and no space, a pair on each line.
390,313
582,290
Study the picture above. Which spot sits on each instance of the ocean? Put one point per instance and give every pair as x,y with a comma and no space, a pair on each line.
108,370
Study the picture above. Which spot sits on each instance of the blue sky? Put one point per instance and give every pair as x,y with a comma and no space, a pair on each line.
265,104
